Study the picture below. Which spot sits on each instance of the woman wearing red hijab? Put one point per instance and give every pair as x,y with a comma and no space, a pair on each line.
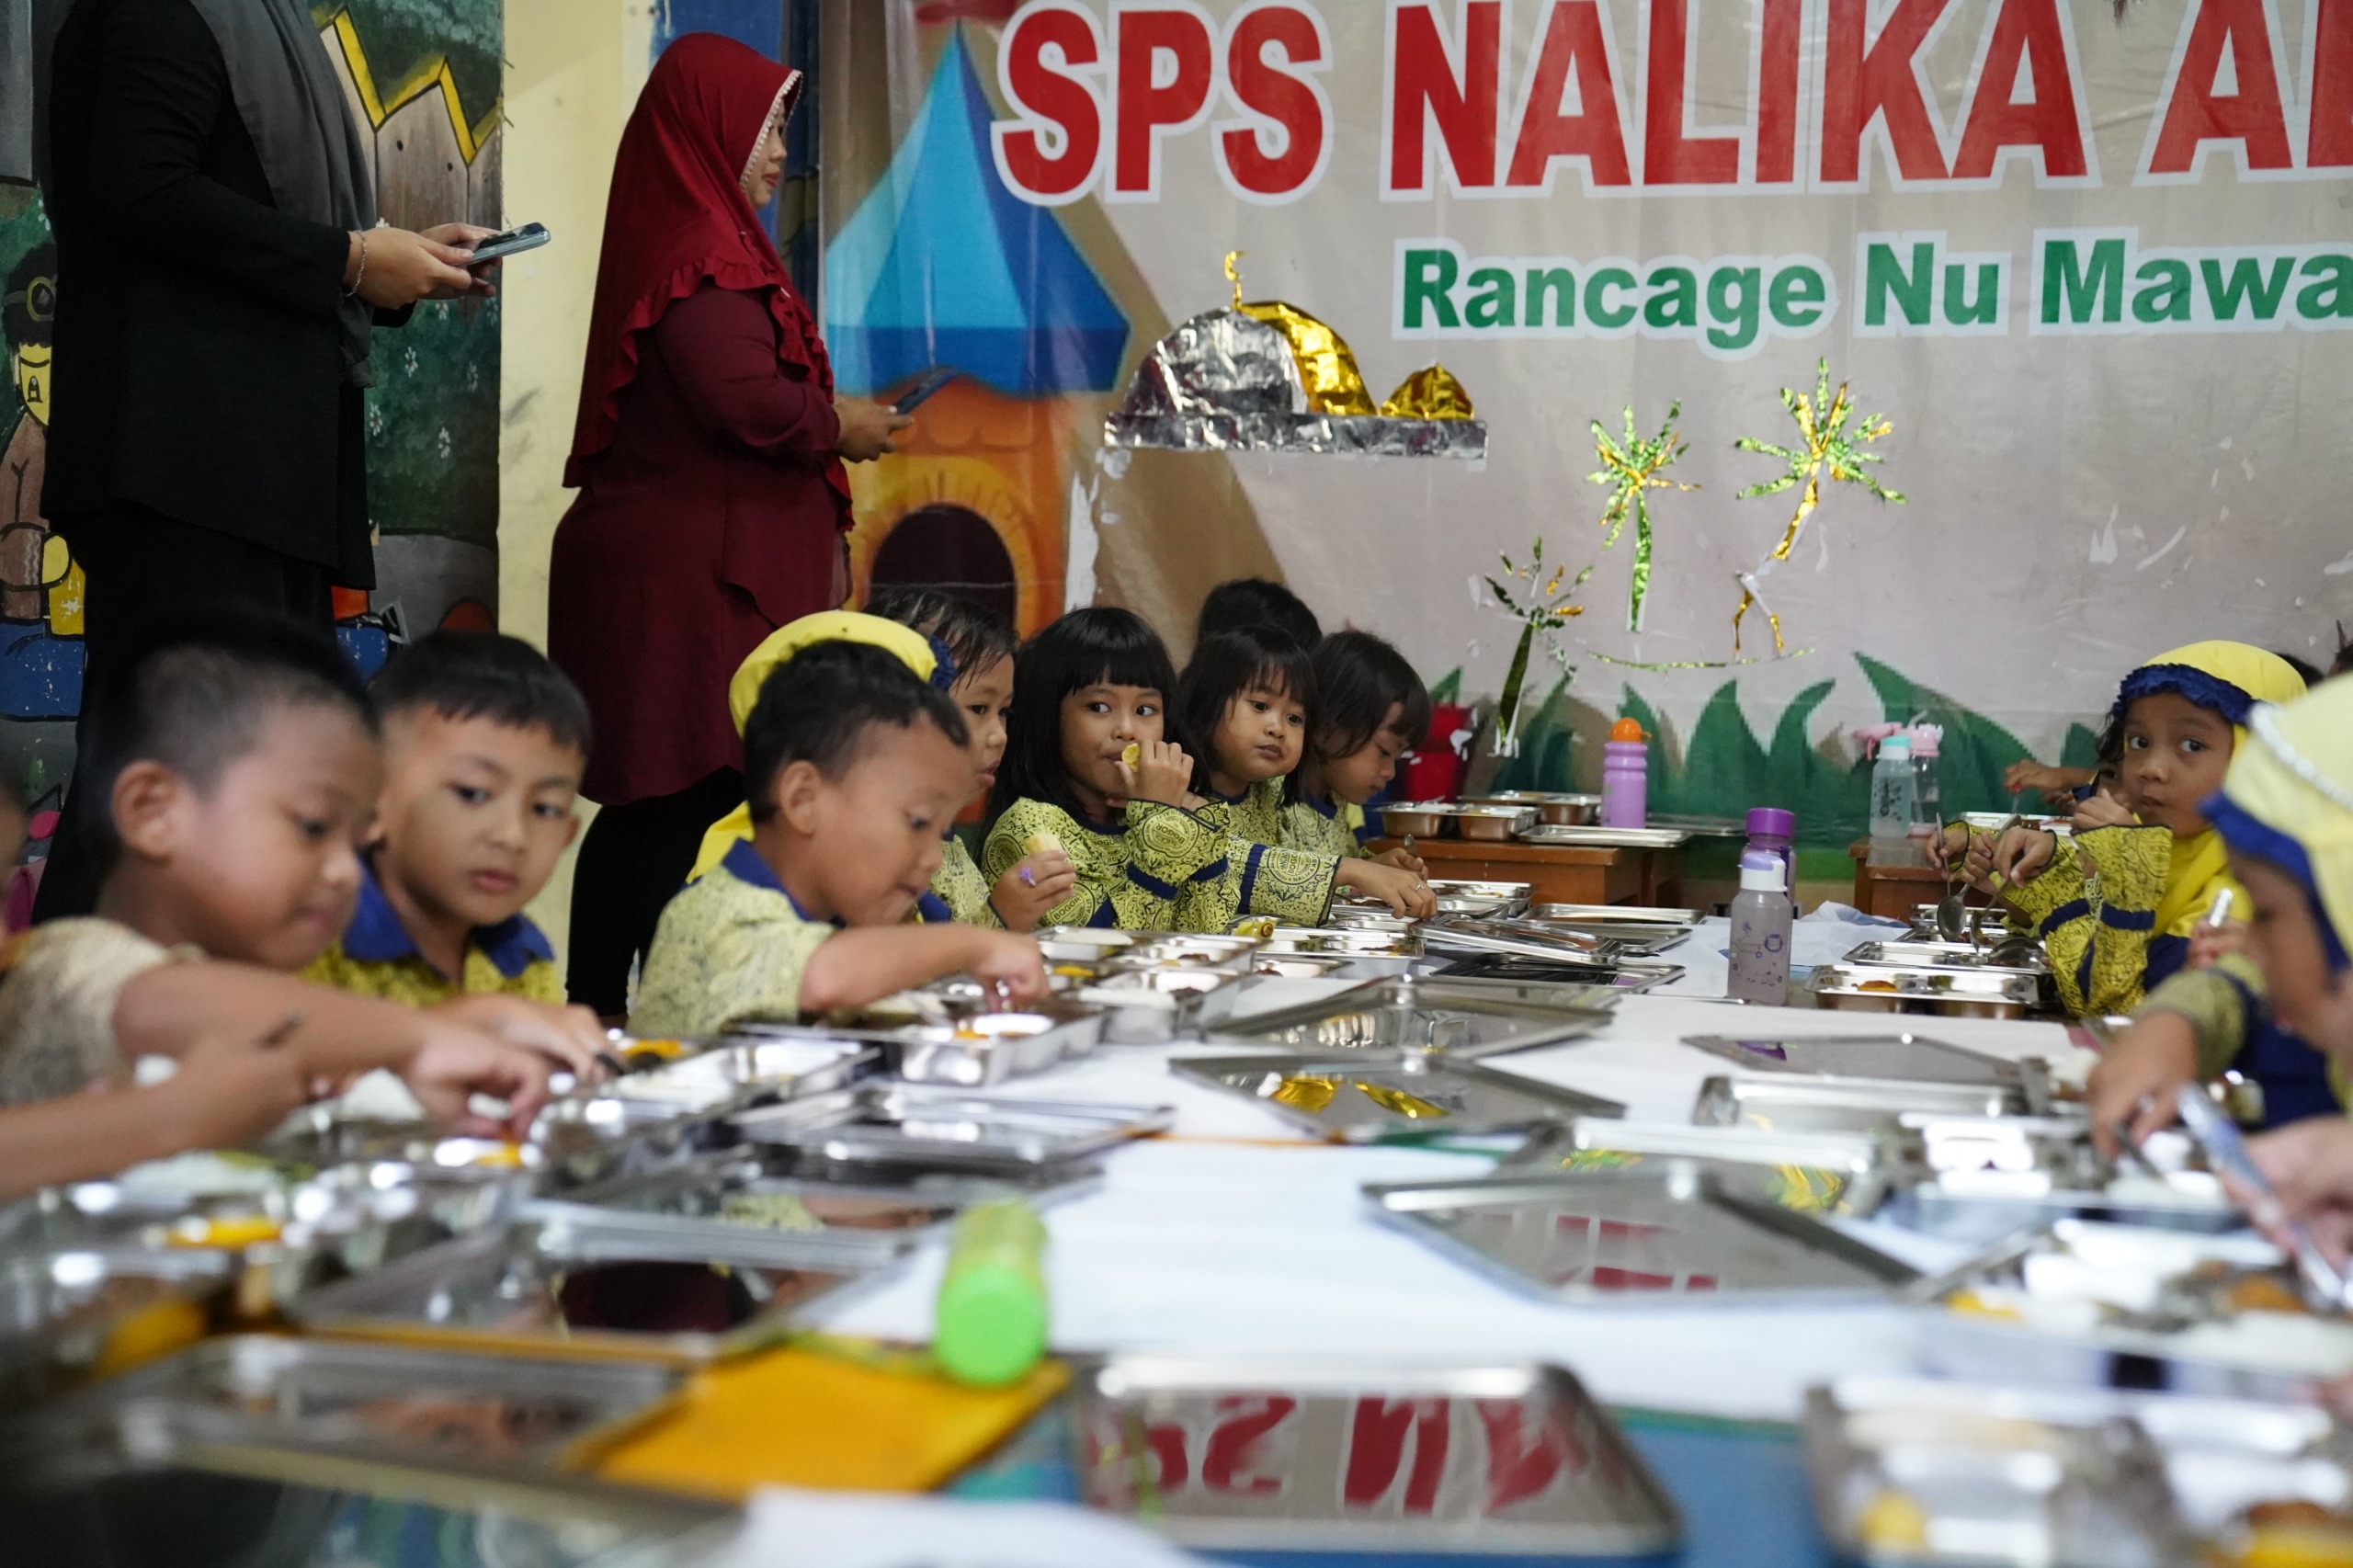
712,500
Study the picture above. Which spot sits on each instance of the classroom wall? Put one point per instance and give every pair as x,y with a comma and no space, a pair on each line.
573,68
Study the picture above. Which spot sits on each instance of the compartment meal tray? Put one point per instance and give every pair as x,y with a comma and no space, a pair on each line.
1361,1096
1669,1234
911,1124
1461,1018
1427,1458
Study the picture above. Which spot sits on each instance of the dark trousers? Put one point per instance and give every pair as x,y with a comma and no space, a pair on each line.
144,568
634,859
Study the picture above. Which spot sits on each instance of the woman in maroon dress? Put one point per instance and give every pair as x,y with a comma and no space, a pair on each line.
712,499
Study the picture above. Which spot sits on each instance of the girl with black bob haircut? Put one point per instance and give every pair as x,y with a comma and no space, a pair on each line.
1370,709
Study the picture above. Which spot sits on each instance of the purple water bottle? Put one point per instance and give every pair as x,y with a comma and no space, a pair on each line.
1625,776
1759,948
1772,831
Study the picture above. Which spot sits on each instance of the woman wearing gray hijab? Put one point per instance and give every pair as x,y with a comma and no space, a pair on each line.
221,271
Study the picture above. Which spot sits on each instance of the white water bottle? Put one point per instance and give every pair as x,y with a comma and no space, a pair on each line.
1894,799
1761,917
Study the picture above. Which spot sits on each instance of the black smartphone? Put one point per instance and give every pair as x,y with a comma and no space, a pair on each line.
514,242
931,381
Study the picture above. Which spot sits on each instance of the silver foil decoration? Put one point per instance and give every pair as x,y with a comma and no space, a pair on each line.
1225,381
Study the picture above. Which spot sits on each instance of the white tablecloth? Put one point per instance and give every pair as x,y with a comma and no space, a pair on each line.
1237,1234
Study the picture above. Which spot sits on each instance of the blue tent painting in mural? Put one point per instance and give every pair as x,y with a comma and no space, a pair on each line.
940,264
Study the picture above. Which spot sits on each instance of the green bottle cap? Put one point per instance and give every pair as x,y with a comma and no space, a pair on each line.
991,1327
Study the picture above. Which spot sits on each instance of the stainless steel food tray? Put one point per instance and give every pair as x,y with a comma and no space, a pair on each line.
1431,1459
1838,1173
1939,954
1417,1014
271,1390
1900,1057
60,1309
1982,1178
965,1049
1360,1097
2221,1457
1958,994
594,1284
1145,1006
1606,837
907,1124
1617,914
2098,1304
1698,825
1842,1105
769,1187
733,1072
1671,1234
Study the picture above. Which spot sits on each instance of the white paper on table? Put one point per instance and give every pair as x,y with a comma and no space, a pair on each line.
788,1528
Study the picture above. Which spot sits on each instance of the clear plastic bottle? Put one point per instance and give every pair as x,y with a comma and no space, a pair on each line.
1893,798
1927,799
1761,917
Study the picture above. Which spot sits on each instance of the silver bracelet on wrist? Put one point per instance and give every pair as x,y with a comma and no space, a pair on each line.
360,277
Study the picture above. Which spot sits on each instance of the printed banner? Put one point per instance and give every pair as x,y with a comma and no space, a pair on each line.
2087,268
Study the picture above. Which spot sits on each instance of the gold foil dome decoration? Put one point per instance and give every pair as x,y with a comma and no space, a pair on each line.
1326,369
1430,392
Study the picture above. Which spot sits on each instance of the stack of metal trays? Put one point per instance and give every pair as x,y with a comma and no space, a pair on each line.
1666,1232
1818,1171
910,1126
595,1284
1638,930
2099,1304
1360,1097
952,1043
1698,825
1461,1018
1913,1470
1948,993
1548,942
1370,951
1863,1082
1421,1459
1458,896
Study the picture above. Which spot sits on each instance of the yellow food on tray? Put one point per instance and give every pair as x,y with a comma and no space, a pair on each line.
1132,755
827,1417
2291,1534
1891,1522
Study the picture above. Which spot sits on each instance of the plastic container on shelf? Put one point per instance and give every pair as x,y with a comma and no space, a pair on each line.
1772,831
1625,776
1761,914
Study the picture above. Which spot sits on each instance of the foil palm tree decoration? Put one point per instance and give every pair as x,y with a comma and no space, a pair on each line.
1542,606
1829,448
1633,467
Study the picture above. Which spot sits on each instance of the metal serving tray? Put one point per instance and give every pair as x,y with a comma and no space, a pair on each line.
1955,994
734,1072
1550,805
772,1188
966,1048
1607,838
1617,914
1841,1105
2099,1304
1145,1006
1460,1019
906,1124
593,1284
1251,1455
1940,954
1499,825
66,1313
1982,1178
270,1391
2221,1458
1360,1097
1671,1231
1699,825
1484,900
1838,1172
1903,1057
1371,953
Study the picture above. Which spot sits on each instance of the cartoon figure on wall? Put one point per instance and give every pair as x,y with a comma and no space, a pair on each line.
39,581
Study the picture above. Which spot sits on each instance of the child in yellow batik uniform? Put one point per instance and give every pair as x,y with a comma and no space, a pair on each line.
1371,709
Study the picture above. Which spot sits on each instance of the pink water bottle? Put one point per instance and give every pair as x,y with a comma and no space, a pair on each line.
1625,776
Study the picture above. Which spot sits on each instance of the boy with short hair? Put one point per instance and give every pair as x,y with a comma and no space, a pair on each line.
854,767
233,766
485,743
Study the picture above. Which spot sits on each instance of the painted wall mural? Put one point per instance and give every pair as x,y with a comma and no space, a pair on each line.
424,81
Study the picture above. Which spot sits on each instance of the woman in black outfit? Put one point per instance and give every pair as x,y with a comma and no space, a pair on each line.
221,273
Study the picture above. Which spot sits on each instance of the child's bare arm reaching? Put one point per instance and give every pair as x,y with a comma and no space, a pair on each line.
852,967
228,1089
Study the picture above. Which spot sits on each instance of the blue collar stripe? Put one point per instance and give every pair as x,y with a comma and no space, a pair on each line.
743,863
2073,910
2117,919
2249,835
1249,877
377,935
1105,917
1151,883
